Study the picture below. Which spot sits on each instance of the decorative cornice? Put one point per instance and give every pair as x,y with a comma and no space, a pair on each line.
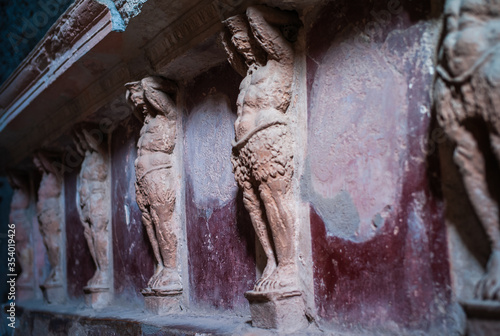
64,44
197,20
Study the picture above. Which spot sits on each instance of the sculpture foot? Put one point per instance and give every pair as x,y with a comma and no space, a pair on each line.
268,271
488,288
54,277
270,268
282,279
91,282
168,280
99,280
154,279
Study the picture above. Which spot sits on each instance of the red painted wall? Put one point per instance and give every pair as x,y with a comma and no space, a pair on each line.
220,236
369,113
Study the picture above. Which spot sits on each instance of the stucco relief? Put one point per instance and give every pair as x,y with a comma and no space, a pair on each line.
49,214
154,105
20,215
467,90
93,204
259,47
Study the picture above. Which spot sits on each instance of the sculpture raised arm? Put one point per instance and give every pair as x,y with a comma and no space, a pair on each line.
268,25
157,92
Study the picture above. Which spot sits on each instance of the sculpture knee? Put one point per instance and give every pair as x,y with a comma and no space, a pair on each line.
99,224
467,154
86,227
146,220
250,200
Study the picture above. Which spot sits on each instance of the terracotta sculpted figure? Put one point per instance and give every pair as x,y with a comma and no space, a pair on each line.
20,216
259,47
467,88
50,217
151,98
94,204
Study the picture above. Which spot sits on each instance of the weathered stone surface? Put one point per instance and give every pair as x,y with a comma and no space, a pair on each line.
467,100
133,257
50,217
155,179
262,156
124,320
97,297
93,206
259,47
163,303
282,311
483,317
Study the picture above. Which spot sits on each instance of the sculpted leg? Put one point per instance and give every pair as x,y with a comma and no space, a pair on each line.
52,244
148,224
87,232
168,279
274,195
253,206
165,231
100,237
49,227
472,167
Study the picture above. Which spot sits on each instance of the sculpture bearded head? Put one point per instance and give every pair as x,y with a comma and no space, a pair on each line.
46,162
150,95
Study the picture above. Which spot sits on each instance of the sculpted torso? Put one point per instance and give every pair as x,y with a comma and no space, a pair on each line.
264,96
155,188
156,143
49,192
258,49
18,206
49,216
92,176
476,32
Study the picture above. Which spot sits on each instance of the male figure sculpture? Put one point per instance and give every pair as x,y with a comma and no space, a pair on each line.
94,205
155,191
259,48
468,87
50,217
20,216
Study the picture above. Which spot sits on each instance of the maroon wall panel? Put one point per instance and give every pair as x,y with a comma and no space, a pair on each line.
378,235
219,232
79,264
132,254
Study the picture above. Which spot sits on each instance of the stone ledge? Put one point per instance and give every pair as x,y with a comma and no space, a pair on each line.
128,318
117,320
483,317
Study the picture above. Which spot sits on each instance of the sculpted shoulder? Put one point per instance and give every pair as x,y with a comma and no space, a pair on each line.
49,187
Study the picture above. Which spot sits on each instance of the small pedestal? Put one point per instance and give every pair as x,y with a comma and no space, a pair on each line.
53,293
162,302
483,317
284,311
97,297
25,292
